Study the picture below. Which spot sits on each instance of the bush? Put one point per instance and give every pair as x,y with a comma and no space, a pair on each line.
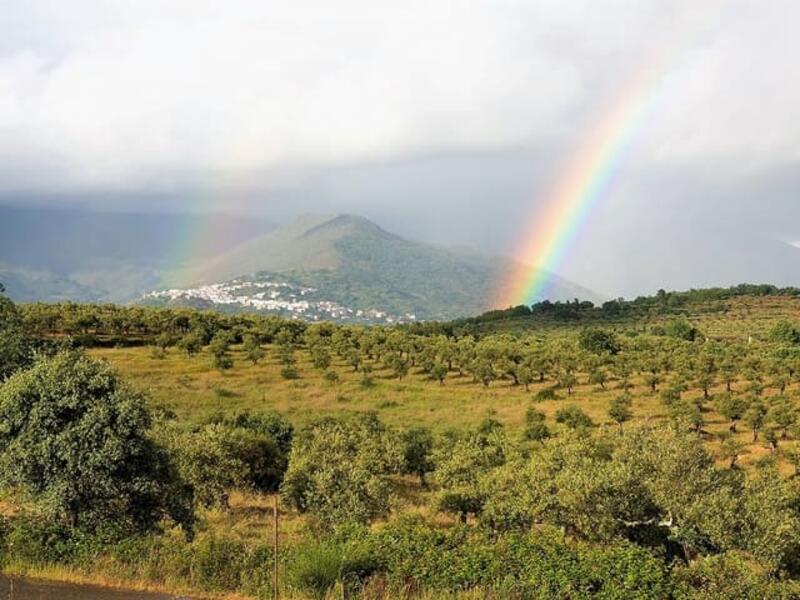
546,394
315,567
541,564
573,417
290,372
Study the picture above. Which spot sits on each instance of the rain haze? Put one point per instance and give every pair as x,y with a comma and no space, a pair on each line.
448,122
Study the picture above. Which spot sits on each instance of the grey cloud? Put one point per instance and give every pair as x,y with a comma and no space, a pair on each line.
444,120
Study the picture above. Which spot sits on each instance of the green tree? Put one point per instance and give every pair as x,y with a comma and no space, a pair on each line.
418,443
731,448
439,372
620,409
483,371
77,440
218,457
15,349
321,358
682,330
755,417
598,341
460,463
567,380
220,351
784,414
599,377
252,349
732,407
191,343
339,469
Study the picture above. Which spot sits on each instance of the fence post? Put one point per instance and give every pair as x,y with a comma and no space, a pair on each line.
275,550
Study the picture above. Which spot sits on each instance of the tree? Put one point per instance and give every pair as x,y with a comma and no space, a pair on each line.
682,330
164,340
620,409
731,448
598,341
397,363
732,407
784,414
15,349
651,380
220,456
418,442
252,349
599,377
525,376
439,372
220,351
573,417
76,439
460,463
339,469
755,417
321,358
483,371
191,343
568,381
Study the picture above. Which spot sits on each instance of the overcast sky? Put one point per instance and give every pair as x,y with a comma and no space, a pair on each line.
445,121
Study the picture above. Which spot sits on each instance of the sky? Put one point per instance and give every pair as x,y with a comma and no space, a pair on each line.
445,121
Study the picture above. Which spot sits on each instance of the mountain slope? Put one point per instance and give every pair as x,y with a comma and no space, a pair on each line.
352,262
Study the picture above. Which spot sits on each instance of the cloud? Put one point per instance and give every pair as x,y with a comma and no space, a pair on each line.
120,94
134,92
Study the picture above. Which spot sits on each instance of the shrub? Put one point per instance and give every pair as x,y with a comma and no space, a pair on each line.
548,393
290,372
315,567
573,417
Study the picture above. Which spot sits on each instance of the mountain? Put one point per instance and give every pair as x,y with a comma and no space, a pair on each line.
320,266
341,267
54,254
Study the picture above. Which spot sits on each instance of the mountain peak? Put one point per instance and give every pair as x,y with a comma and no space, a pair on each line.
347,223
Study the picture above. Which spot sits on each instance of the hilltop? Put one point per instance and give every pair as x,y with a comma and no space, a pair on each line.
352,264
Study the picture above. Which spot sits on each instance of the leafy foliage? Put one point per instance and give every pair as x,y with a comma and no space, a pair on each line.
339,469
76,439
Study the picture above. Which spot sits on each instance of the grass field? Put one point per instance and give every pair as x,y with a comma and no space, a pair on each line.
195,391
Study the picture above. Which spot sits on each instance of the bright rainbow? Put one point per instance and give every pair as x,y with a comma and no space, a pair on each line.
582,184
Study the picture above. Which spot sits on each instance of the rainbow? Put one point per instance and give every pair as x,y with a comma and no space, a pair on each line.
583,182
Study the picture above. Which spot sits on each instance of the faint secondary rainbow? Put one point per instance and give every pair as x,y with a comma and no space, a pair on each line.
584,181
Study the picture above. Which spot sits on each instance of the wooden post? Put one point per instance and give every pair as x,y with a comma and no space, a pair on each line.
275,550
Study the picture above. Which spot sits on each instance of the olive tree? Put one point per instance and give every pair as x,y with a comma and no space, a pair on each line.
339,469
76,440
